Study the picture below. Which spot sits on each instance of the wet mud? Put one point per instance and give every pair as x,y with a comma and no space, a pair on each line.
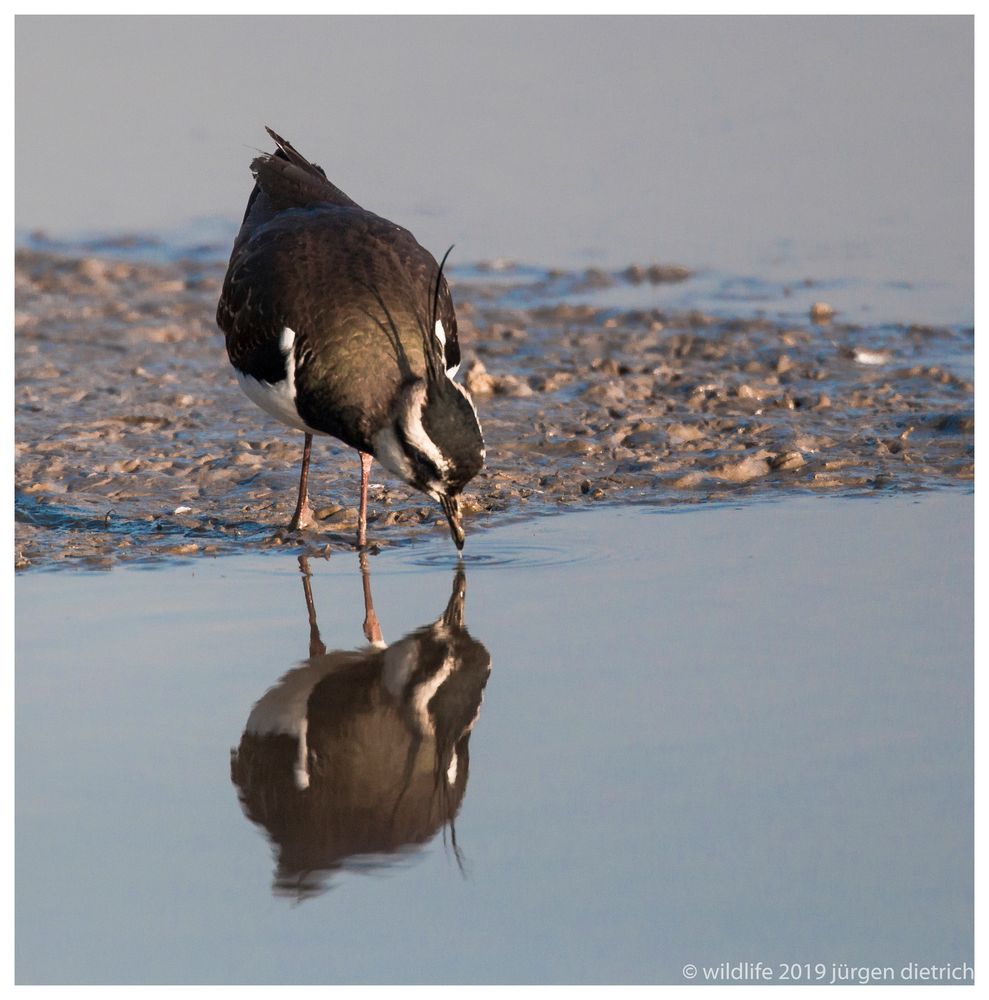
133,442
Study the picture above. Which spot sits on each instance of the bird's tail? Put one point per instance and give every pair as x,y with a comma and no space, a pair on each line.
291,181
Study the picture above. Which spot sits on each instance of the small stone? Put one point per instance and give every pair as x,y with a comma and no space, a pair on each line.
689,480
659,273
742,472
821,312
606,394
513,386
682,433
93,269
793,338
477,379
786,460
648,439
867,357
756,392
555,381
608,366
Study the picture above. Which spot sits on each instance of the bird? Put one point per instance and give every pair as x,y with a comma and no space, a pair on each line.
338,322
355,757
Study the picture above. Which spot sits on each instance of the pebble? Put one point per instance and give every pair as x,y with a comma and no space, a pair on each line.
747,469
867,357
788,460
645,403
689,480
512,385
679,434
477,379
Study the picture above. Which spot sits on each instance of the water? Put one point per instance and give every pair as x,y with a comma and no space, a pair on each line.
838,149
721,735
707,734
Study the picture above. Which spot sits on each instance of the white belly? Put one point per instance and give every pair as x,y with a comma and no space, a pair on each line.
278,398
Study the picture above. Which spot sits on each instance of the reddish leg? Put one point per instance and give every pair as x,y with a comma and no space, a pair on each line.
304,516
316,646
362,514
372,630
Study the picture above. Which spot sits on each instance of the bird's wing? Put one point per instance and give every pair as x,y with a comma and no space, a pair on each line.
447,316
250,315
343,280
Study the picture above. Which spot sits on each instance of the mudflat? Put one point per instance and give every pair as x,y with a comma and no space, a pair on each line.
133,442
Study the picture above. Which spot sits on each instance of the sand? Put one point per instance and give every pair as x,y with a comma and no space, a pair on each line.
133,442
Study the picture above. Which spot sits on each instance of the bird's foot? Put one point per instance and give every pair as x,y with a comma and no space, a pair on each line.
372,628
304,518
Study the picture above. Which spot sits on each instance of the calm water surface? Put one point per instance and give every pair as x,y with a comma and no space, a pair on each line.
837,149
626,740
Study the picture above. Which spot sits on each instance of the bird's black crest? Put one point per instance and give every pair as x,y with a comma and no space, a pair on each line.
291,181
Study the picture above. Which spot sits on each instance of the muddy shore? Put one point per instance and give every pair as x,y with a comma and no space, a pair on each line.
133,442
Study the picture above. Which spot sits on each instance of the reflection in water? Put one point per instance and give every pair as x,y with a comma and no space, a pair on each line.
362,753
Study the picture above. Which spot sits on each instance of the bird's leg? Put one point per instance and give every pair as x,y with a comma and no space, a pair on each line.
362,514
372,630
316,646
304,516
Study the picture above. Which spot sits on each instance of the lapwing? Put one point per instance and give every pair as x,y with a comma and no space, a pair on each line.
338,322
363,754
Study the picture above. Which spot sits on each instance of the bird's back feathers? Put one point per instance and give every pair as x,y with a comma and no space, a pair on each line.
359,294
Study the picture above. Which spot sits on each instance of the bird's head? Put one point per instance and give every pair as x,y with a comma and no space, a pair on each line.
434,443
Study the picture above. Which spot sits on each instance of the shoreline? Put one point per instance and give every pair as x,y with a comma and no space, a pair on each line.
134,444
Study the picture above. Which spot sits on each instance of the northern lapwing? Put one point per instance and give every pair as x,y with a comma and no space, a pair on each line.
338,322
362,753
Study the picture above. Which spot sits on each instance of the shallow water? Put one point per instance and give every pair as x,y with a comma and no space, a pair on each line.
838,149
707,733
777,158
714,735
133,442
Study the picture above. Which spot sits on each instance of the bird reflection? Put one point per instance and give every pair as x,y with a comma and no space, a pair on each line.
355,758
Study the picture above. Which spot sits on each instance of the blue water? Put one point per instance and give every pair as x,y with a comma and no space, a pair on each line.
839,149
710,736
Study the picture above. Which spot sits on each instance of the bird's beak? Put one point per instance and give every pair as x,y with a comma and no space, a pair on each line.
453,617
451,507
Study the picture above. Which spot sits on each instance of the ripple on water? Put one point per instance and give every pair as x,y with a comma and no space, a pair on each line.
490,553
